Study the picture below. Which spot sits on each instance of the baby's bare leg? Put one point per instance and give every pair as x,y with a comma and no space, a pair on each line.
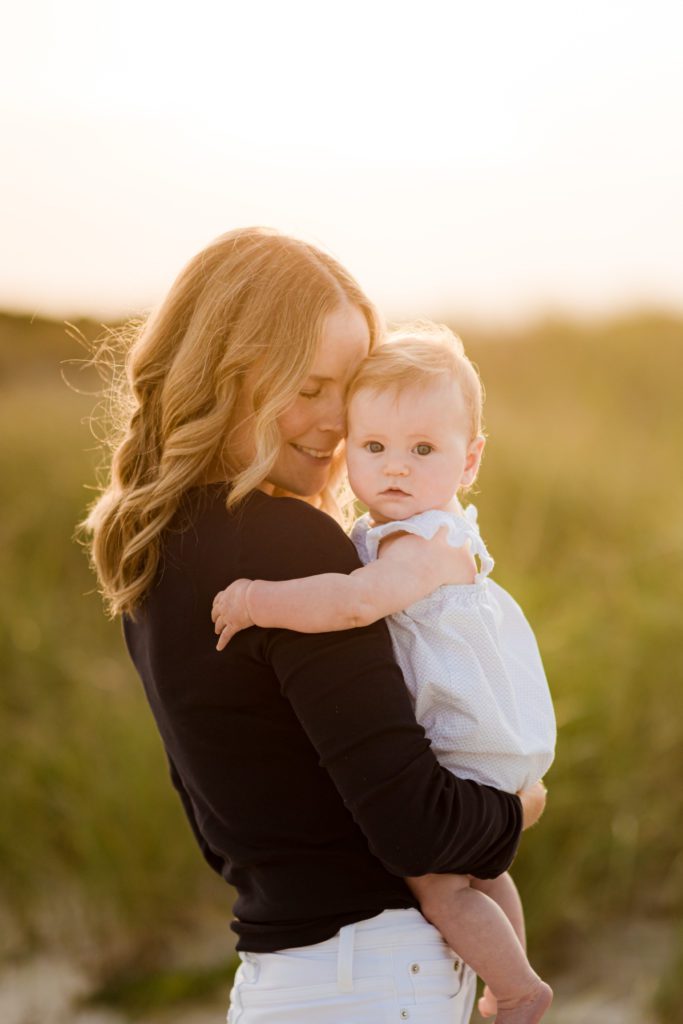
503,891
475,927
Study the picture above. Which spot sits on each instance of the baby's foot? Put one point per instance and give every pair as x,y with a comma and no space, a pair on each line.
527,1010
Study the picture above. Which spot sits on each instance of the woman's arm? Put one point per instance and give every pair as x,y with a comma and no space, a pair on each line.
349,697
408,569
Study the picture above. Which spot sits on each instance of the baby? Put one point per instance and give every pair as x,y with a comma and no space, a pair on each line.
468,655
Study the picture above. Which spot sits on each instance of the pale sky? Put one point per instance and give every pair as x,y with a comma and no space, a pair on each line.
488,160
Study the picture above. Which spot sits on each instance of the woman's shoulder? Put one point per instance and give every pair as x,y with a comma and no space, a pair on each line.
291,516
264,507
263,537
258,510
204,518
284,538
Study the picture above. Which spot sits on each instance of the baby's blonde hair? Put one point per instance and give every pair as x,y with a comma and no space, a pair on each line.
252,302
415,355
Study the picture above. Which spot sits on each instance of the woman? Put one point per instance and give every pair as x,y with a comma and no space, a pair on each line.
307,782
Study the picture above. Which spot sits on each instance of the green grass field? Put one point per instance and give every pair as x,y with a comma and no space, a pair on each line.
580,501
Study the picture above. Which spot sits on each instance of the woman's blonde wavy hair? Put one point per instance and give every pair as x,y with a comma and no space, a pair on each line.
251,299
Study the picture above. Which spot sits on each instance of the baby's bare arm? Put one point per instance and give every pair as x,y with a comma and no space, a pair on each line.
407,569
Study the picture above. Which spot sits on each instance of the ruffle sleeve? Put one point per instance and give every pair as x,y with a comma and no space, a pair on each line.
461,529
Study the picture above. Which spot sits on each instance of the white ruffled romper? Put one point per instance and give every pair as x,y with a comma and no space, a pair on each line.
471,663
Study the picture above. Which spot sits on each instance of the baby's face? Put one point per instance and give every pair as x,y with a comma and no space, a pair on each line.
411,452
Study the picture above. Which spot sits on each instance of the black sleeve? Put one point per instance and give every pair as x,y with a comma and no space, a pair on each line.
349,696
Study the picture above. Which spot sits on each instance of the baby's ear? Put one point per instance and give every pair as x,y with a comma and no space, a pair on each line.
475,450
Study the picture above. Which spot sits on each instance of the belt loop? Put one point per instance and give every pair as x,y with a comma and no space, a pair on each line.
345,958
251,967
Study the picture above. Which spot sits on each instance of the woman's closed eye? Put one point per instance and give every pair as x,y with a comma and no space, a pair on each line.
310,394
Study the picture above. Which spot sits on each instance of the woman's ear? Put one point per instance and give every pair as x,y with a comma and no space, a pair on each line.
475,450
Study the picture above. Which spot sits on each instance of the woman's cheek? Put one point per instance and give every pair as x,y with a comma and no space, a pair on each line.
293,422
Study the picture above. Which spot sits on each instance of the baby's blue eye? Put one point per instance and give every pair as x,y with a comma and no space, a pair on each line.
374,447
423,449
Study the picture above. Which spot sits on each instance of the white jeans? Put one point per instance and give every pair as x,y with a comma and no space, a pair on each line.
391,968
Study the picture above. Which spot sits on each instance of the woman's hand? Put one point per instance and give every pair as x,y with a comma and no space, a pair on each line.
230,612
533,803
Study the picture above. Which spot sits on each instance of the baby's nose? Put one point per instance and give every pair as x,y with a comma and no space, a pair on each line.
395,467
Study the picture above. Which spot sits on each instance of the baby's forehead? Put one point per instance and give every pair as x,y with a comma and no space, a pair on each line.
412,405
444,391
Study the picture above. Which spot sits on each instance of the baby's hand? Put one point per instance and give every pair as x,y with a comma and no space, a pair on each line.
230,613
488,1004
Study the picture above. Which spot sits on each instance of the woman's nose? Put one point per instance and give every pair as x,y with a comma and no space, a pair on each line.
334,419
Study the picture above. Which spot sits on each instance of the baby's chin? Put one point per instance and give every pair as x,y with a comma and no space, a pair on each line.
394,511
390,515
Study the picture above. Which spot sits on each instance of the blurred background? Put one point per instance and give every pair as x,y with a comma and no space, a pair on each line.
514,170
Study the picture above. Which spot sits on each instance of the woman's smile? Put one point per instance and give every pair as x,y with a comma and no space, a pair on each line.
315,453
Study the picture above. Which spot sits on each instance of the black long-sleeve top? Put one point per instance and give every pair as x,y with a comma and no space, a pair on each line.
307,782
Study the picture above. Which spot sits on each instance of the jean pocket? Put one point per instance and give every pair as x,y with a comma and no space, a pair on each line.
436,979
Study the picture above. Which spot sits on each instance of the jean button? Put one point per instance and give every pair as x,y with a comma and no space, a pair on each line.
414,968
404,1015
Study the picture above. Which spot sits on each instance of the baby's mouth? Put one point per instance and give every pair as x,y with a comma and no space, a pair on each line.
396,491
